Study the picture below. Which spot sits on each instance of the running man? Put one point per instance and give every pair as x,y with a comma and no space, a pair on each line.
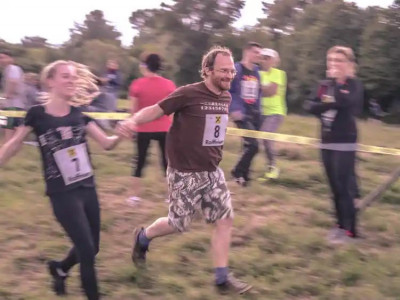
273,105
61,131
245,107
194,150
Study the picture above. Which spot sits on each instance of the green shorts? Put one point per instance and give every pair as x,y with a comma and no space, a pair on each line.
11,122
192,192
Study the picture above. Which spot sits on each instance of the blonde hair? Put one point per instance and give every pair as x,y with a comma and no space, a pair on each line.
86,87
349,54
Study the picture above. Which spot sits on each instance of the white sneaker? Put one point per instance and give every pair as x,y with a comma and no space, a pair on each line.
134,200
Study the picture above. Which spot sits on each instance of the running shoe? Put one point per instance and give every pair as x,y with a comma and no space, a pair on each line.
138,252
233,285
59,277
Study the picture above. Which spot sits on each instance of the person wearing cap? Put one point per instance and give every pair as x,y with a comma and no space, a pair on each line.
245,107
273,105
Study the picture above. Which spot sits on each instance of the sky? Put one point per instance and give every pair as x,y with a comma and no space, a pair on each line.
52,19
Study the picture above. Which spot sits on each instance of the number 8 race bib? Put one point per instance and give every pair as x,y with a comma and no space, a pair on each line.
215,130
73,163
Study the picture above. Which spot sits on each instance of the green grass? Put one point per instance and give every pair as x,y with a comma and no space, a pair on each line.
278,239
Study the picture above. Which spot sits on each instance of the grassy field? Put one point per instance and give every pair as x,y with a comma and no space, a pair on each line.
278,242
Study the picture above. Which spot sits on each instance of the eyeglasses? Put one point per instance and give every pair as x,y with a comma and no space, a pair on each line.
227,71
337,60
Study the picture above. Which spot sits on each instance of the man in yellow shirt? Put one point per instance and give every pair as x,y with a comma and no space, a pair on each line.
273,104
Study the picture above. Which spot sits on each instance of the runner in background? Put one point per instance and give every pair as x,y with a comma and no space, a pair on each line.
144,92
273,105
61,131
12,84
245,107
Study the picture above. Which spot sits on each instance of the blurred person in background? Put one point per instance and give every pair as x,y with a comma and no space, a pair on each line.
13,90
245,107
111,82
336,102
143,92
31,89
101,103
273,105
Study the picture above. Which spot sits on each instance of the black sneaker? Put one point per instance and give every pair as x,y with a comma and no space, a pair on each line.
233,285
59,277
239,179
138,252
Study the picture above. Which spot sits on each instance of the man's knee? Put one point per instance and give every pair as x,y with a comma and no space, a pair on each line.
225,223
180,224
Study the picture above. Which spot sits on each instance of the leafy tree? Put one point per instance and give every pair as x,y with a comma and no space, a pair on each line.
34,42
188,28
380,55
303,51
95,27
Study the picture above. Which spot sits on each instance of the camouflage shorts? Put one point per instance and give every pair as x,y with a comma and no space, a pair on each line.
191,192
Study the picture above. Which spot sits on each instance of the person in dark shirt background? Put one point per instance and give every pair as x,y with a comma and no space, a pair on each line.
111,83
245,107
336,102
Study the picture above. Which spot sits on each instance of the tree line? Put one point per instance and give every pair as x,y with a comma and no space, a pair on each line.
300,30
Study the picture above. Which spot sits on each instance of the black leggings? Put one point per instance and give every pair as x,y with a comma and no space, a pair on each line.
143,142
78,212
250,148
339,168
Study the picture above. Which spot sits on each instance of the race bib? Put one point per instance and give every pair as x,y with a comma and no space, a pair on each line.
215,130
249,89
3,121
73,163
327,118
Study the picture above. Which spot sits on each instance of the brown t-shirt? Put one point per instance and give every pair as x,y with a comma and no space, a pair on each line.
195,139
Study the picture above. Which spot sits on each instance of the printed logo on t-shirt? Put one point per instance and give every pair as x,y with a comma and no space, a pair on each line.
65,153
327,119
249,87
222,107
66,132
215,130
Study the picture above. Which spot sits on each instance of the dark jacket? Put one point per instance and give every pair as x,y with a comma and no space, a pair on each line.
237,103
337,105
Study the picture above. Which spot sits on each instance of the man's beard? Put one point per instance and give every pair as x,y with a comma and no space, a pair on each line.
222,85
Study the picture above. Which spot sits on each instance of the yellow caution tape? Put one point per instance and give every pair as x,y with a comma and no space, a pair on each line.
279,137
302,140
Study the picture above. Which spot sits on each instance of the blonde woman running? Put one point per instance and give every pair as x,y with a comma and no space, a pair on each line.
61,131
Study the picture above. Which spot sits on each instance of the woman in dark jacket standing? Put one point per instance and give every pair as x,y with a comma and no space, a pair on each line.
336,102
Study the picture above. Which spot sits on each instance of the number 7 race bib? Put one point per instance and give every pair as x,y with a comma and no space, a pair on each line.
215,130
73,163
